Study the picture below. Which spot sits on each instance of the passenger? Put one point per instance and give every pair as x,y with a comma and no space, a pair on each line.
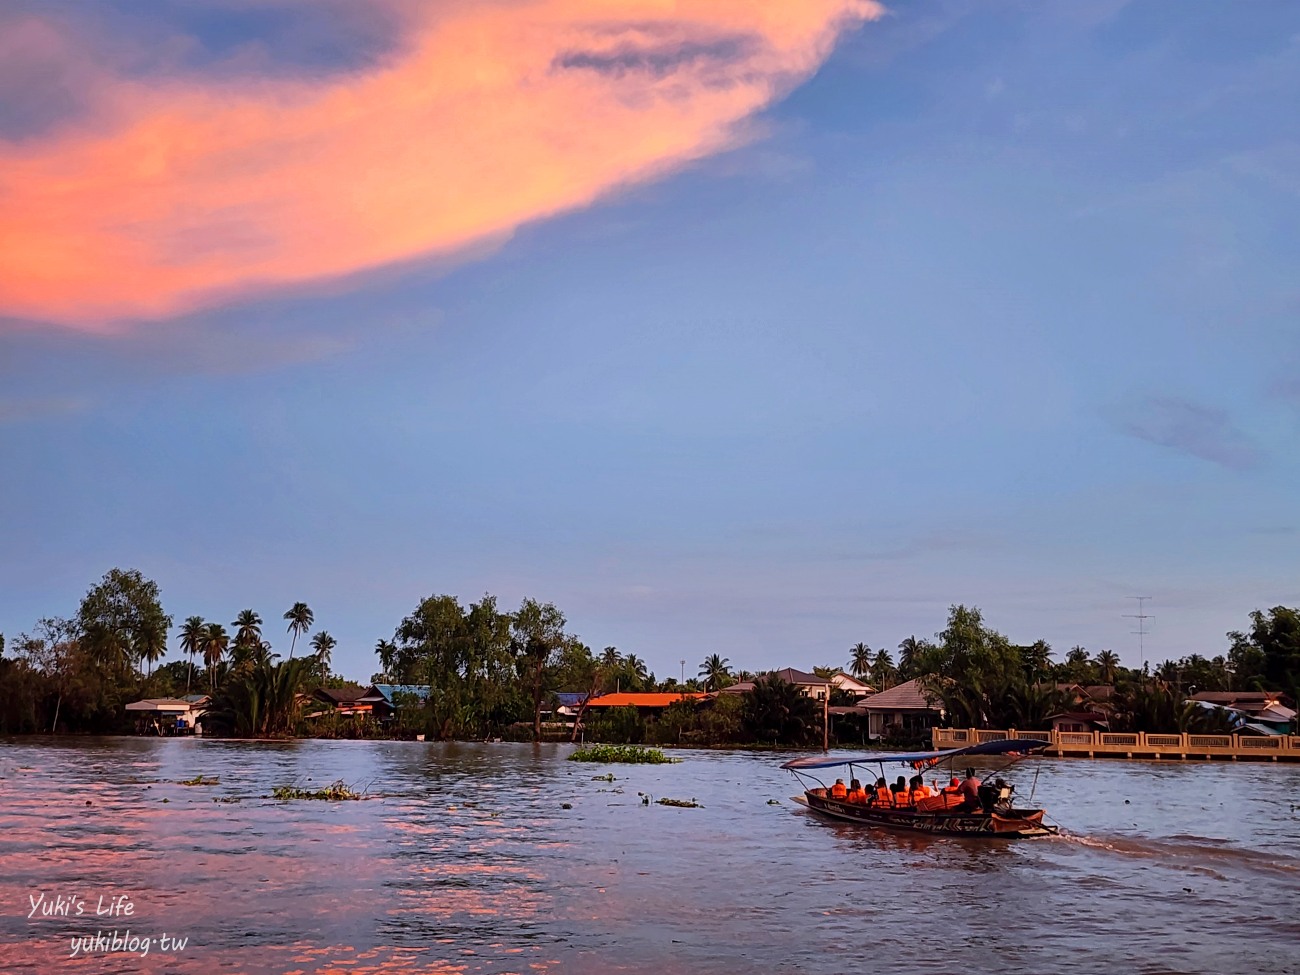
970,791
919,789
901,797
838,791
857,794
883,796
953,787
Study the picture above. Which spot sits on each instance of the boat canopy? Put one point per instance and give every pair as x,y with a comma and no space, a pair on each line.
1007,746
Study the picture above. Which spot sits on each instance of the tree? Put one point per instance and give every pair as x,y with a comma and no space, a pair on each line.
1108,665
910,652
193,631
121,620
883,671
386,651
610,658
215,643
300,619
322,643
1036,660
248,629
1268,656
715,671
537,632
860,660
776,710
1078,667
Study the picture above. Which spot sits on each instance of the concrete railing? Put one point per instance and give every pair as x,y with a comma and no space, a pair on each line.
1109,744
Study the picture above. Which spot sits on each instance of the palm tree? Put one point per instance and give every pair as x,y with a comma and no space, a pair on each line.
860,660
193,631
300,619
323,643
636,669
152,646
248,629
883,670
215,642
610,658
1108,663
909,656
386,650
715,672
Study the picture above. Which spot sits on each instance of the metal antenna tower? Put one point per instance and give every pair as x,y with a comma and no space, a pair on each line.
1141,630
683,670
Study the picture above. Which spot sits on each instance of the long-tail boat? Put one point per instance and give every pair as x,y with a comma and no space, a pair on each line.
994,815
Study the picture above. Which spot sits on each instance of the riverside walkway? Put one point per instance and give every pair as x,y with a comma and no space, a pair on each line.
1110,744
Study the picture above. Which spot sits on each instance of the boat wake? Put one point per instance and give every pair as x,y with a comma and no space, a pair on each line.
1199,854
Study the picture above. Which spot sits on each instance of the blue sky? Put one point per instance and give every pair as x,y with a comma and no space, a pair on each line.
1000,308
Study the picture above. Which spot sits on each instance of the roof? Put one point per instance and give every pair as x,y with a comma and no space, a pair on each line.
1100,692
629,699
387,691
571,699
1240,698
740,687
1002,746
846,681
162,704
908,696
341,695
792,676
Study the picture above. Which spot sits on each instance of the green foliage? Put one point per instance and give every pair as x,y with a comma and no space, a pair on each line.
121,623
334,792
679,803
715,672
1268,656
777,711
622,754
622,725
259,702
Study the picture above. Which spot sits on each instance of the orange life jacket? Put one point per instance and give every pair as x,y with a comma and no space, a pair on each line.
838,791
884,797
902,798
858,796
922,792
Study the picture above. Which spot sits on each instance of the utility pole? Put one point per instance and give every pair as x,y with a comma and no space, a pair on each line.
1141,630
683,670
826,721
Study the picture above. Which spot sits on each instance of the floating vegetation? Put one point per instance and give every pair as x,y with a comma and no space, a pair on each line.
566,805
774,802
609,777
200,780
679,803
336,791
625,754
225,799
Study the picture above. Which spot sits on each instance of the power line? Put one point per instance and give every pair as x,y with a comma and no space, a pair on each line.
1141,631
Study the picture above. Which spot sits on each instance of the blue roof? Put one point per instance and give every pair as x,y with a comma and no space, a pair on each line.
999,747
419,691
571,699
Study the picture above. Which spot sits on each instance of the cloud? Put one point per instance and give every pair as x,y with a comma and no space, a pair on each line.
1189,427
181,190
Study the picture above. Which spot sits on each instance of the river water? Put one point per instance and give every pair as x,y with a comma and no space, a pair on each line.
466,860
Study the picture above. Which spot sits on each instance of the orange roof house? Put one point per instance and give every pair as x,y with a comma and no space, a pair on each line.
642,702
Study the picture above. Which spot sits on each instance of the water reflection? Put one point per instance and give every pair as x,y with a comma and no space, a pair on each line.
466,860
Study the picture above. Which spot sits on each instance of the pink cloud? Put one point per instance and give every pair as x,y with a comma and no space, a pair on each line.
179,193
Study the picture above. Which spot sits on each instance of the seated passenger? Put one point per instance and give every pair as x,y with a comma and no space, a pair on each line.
919,789
901,797
970,791
857,794
838,791
953,787
883,796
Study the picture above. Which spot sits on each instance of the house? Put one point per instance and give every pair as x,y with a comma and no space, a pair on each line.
1258,712
171,715
1080,721
851,685
344,700
907,710
385,699
810,684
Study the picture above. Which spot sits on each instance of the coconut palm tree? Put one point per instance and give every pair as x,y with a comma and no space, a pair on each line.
860,660
715,672
883,670
1108,663
636,669
248,629
193,631
300,619
215,642
386,650
610,658
323,643
152,646
909,657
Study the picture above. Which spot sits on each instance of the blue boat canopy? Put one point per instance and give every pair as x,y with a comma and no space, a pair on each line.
1008,746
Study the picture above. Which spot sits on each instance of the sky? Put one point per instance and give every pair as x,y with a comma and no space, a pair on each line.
728,326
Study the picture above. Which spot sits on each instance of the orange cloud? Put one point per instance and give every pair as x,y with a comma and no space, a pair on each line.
184,192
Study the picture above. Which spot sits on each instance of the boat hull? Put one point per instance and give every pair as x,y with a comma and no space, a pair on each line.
1013,824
